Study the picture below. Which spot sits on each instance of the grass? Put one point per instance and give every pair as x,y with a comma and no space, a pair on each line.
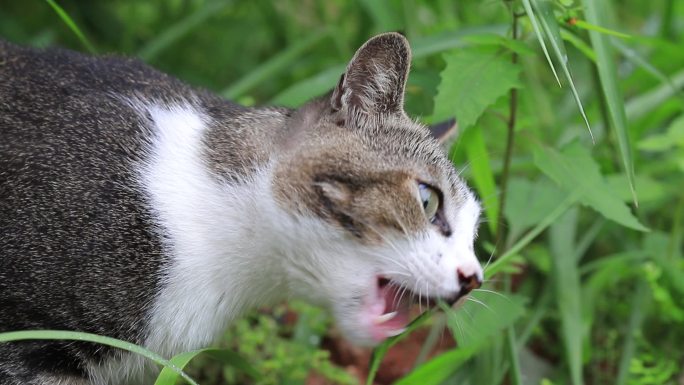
590,284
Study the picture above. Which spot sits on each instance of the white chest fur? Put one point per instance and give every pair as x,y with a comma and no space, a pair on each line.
215,236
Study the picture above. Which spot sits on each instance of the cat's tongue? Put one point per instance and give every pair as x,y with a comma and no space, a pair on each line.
390,312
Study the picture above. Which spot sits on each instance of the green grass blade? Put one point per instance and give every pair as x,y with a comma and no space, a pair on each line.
72,25
512,346
578,43
639,304
169,376
308,88
180,29
550,27
79,336
633,56
566,279
438,369
595,11
380,351
639,106
384,14
540,37
505,258
273,66
591,27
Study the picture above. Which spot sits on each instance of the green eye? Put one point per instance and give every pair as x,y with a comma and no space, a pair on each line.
430,200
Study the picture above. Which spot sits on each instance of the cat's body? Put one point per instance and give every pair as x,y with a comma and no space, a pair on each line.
136,207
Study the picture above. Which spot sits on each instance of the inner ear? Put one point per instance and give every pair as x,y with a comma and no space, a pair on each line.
375,78
444,131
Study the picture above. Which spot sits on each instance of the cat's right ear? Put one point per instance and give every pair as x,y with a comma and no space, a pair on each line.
444,131
375,77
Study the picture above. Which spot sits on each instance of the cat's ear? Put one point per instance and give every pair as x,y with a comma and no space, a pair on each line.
444,131
375,77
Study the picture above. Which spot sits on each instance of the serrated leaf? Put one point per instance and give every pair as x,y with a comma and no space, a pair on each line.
575,169
473,80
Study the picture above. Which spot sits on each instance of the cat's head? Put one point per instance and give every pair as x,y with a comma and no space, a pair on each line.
379,216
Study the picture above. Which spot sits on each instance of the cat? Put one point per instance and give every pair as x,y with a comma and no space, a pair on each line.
136,207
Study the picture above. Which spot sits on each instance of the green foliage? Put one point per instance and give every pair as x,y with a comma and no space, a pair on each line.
464,92
591,287
281,354
78,336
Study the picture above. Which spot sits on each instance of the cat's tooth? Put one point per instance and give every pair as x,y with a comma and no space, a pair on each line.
393,333
385,317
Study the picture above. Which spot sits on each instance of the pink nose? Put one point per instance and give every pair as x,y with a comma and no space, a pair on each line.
468,282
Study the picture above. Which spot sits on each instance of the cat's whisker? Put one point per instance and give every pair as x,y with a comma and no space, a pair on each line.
469,298
403,291
489,260
493,292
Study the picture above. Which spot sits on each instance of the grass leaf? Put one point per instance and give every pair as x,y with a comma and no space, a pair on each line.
72,25
438,369
169,377
639,304
380,351
566,280
550,27
79,336
595,11
275,65
180,29
606,31
540,36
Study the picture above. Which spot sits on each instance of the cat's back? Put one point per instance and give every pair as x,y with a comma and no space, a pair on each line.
73,215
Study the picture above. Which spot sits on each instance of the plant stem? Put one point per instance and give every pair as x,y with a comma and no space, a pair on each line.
513,108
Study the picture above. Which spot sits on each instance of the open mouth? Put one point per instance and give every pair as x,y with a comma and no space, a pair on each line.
393,304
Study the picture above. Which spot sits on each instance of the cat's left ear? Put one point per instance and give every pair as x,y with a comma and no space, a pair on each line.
375,77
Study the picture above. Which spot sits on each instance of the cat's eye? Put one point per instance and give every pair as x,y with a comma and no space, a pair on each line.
429,199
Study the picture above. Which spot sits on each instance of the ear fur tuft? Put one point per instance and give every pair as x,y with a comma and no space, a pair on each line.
375,78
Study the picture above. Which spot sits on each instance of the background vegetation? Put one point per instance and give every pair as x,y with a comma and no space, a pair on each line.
587,270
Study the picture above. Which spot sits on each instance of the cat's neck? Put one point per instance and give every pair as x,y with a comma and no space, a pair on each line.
219,235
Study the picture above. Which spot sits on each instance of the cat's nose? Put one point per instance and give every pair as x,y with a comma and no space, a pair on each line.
468,282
